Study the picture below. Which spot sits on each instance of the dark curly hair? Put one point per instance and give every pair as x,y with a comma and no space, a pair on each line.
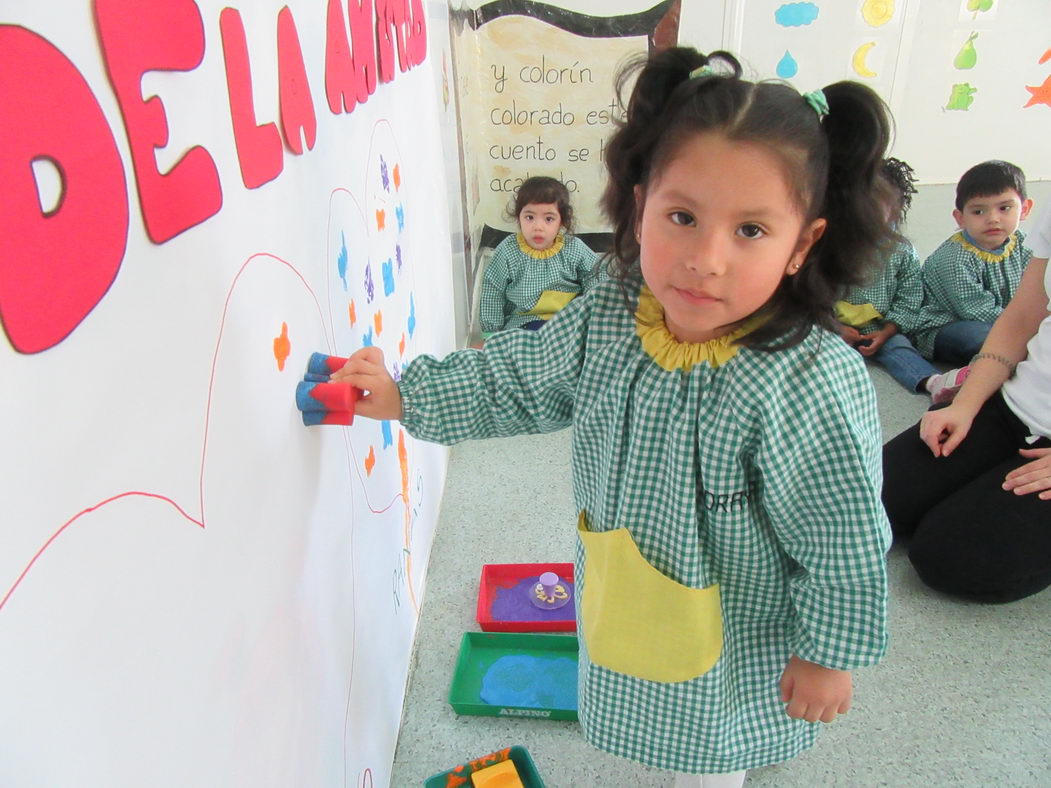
832,167
902,180
542,189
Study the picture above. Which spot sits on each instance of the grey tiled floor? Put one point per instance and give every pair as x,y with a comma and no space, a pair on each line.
963,697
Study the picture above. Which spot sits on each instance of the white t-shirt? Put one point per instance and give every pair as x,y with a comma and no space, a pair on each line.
1028,393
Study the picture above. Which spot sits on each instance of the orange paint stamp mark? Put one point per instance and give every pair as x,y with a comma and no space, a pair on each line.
401,345
381,219
397,177
403,461
377,321
370,461
282,347
353,314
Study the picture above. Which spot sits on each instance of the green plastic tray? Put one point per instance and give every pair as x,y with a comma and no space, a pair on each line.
517,754
479,650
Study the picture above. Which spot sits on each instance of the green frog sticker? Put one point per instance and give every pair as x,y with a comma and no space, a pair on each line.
962,96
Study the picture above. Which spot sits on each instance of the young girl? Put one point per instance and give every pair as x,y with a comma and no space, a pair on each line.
731,560
536,272
875,318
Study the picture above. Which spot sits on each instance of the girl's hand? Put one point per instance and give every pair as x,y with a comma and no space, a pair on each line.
364,369
876,340
850,334
944,429
815,693
1034,476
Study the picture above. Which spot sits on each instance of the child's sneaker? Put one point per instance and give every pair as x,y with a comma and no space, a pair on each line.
943,387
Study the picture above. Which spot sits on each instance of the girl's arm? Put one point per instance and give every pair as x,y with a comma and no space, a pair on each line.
820,477
943,430
492,303
904,309
521,382
588,268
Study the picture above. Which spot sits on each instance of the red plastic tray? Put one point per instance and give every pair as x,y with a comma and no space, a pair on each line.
504,577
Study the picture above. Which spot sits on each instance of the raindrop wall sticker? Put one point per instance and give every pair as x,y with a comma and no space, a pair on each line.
787,66
877,12
796,14
967,57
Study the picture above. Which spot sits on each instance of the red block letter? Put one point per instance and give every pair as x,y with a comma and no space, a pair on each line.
364,37
55,266
418,34
297,105
258,147
138,37
339,68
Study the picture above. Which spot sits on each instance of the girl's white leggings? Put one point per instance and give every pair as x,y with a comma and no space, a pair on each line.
731,780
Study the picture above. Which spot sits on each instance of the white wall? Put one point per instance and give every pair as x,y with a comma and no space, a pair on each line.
196,589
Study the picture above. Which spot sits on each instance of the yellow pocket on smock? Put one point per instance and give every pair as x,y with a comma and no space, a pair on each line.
550,301
639,622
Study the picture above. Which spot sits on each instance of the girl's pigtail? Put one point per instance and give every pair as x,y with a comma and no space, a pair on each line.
858,128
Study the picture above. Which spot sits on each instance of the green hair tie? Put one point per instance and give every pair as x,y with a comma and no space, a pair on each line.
702,71
817,101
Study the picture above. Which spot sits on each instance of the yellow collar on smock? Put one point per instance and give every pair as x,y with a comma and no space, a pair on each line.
671,354
541,254
984,254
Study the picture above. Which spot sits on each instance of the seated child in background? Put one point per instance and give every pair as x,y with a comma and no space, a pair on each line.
968,280
875,318
539,270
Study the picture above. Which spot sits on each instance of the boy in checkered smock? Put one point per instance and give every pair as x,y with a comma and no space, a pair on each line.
731,557
540,269
969,279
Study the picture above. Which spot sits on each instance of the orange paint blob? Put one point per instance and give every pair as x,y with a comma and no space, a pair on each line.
353,315
403,461
282,347
397,175
377,321
381,219
370,461
401,345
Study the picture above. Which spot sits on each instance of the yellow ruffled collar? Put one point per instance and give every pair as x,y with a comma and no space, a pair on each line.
984,254
671,354
541,254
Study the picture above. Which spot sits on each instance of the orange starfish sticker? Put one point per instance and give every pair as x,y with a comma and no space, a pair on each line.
1041,94
282,347
1045,57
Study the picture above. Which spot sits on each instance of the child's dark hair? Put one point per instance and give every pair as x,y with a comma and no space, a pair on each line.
902,180
989,178
832,165
543,189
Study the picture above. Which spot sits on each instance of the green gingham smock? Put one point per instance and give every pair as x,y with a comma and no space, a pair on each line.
964,282
896,292
762,474
517,275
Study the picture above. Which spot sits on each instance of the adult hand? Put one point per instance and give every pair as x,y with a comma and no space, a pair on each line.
944,429
365,370
815,693
1034,476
